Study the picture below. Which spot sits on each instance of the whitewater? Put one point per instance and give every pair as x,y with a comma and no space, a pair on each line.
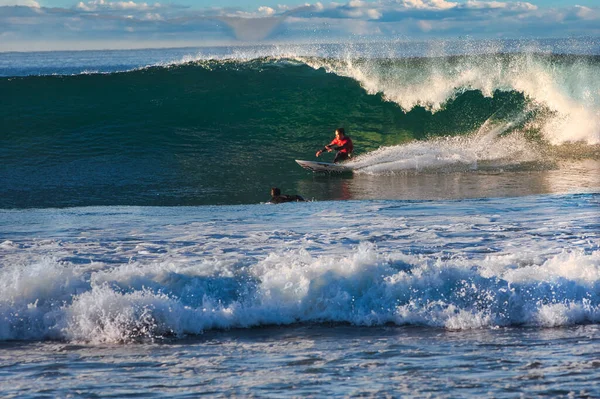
139,256
323,291
119,274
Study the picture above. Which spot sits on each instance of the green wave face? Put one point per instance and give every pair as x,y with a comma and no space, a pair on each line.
224,132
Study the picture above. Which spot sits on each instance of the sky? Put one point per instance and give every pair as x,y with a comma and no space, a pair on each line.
27,25
254,4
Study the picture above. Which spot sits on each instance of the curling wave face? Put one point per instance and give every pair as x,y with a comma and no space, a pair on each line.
203,129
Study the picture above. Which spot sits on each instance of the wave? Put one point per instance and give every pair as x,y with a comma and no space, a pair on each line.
564,89
485,150
216,124
52,299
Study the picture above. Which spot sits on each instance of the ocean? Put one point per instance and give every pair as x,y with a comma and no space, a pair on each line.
139,256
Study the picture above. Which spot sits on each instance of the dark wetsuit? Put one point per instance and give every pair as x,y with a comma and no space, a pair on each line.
278,199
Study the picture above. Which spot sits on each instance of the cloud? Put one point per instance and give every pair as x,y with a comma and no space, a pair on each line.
137,21
24,3
586,13
266,10
429,4
97,5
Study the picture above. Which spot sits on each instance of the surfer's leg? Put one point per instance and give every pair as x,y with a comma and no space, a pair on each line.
340,156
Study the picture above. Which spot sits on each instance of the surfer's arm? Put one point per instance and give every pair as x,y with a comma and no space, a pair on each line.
327,148
333,146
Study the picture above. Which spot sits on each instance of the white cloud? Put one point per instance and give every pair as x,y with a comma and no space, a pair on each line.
96,5
266,10
152,17
402,9
485,4
356,3
587,13
476,4
129,5
525,6
105,19
374,14
25,3
429,4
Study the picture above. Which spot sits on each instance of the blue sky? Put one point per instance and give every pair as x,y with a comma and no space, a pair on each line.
249,4
81,24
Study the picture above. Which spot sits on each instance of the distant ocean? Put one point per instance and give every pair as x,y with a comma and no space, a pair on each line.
138,256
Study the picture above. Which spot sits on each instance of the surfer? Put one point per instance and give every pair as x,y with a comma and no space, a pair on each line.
342,144
278,198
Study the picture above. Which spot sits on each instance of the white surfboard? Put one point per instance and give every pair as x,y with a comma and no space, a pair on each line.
324,166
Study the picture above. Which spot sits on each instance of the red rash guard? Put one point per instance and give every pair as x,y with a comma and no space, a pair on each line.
344,145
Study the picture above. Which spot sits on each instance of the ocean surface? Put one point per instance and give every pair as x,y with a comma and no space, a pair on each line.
461,258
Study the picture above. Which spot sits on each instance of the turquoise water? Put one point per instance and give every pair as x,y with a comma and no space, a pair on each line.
461,258
224,129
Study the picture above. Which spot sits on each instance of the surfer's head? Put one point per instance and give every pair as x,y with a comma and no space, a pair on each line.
340,132
275,192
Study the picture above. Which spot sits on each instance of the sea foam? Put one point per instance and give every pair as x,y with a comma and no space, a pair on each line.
364,285
569,90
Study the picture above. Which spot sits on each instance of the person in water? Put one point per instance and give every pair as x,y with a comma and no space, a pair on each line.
278,198
342,144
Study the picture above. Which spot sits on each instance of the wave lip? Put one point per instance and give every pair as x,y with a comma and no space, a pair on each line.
565,89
